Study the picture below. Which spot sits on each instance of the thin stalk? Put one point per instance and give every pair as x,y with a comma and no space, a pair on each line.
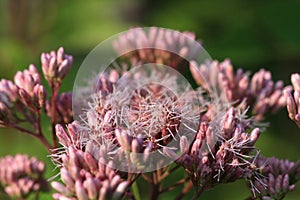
135,190
38,136
168,172
171,187
54,90
185,190
146,178
155,186
198,194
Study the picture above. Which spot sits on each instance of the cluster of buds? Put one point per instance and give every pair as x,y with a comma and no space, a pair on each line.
220,153
293,101
26,94
20,176
9,98
140,119
24,99
85,178
155,45
56,65
32,92
275,178
260,93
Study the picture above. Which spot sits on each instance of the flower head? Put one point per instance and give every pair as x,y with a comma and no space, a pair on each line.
277,177
21,175
221,151
56,65
156,45
259,93
26,94
86,178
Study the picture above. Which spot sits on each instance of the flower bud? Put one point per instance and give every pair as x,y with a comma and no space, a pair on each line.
254,135
56,66
25,97
229,123
62,136
67,178
90,161
124,139
91,188
121,189
291,105
41,94
80,191
295,78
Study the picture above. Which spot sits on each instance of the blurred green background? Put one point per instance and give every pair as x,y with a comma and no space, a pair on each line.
253,34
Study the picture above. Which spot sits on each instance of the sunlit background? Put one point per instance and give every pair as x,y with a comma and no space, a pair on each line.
252,34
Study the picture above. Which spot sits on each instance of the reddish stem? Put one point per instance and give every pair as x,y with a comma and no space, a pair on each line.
54,90
38,136
185,190
171,187
155,186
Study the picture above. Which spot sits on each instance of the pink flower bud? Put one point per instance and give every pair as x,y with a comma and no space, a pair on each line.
67,178
4,112
136,146
55,66
91,188
124,139
121,189
80,191
62,136
295,78
25,97
278,184
90,161
41,94
59,187
229,123
291,105
254,135
115,181
10,89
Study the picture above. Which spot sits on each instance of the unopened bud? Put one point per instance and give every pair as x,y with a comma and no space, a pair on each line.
121,189
91,188
295,78
291,105
80,191
124,139
25,97
62,135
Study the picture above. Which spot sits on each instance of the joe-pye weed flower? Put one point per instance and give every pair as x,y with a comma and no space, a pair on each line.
136,119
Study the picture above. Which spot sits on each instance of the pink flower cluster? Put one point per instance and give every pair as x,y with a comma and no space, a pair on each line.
103,155
21,175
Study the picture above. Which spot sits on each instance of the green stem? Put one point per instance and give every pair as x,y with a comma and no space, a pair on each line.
135,190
